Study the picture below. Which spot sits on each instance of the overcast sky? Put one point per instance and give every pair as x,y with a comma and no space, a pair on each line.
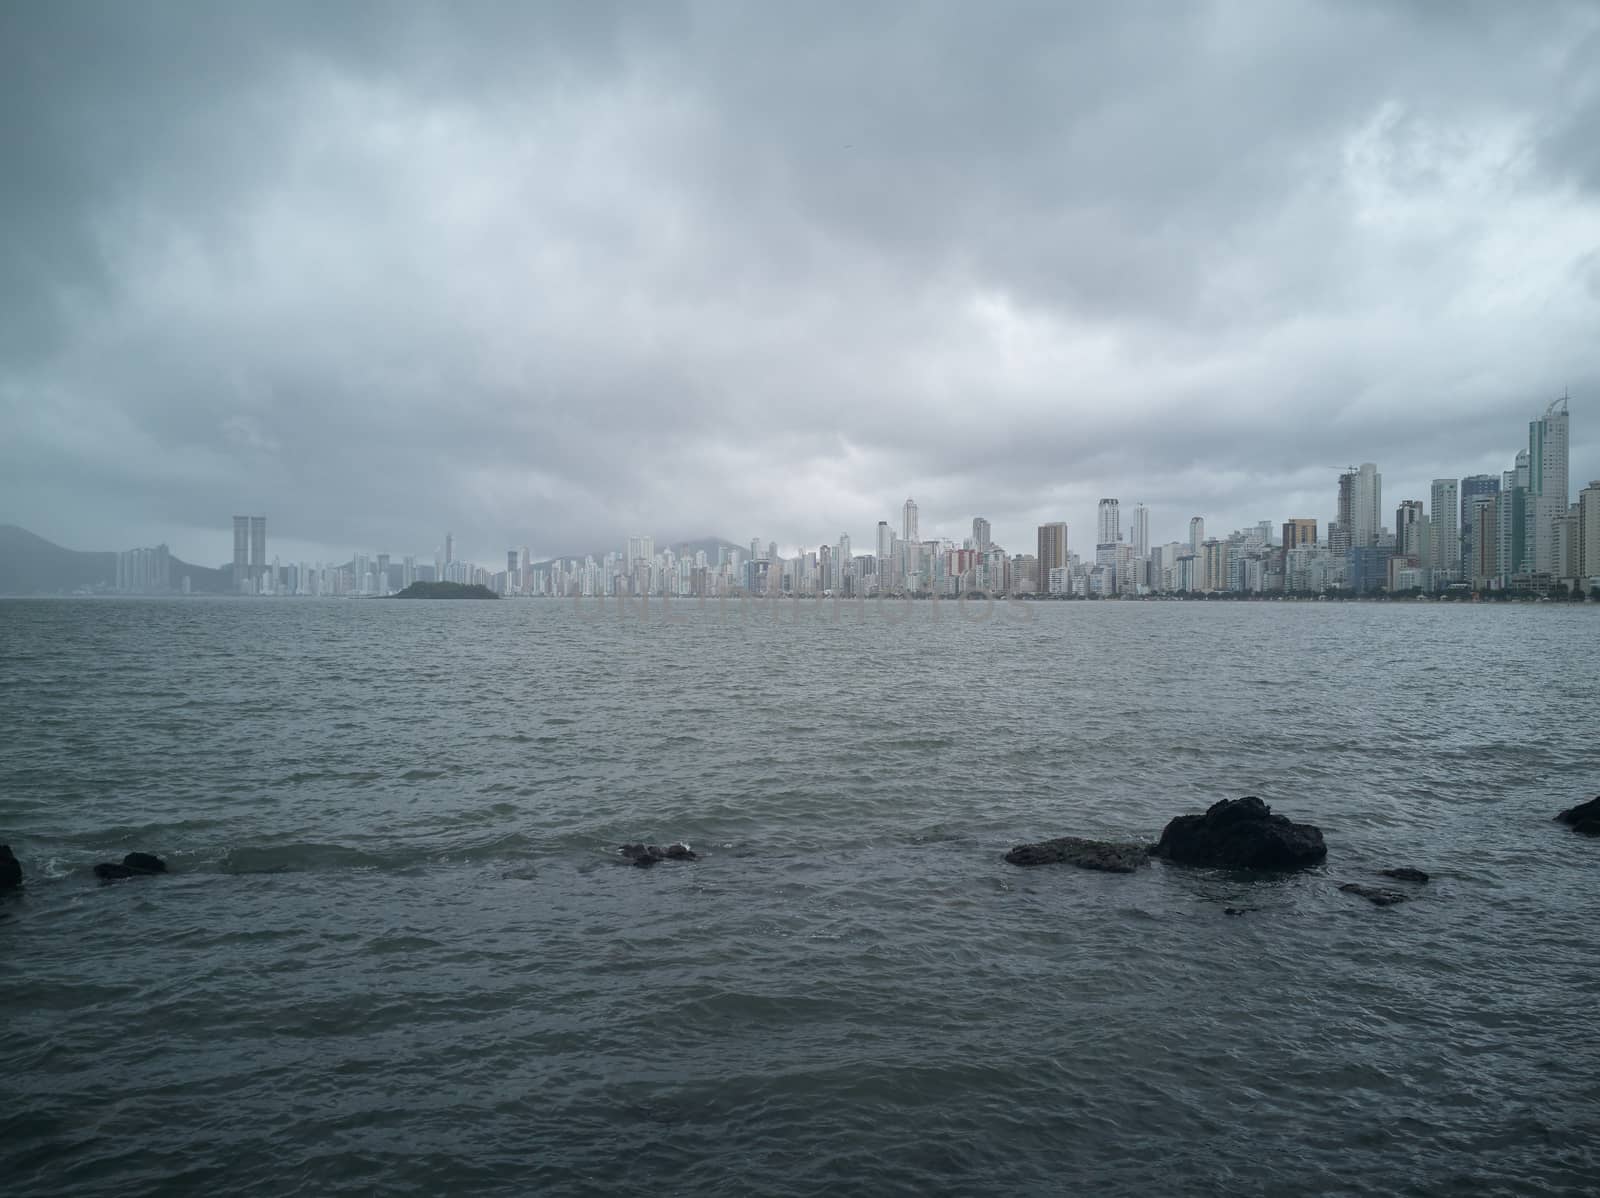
552,274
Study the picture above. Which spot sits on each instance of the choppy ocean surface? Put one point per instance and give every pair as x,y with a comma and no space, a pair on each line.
399,952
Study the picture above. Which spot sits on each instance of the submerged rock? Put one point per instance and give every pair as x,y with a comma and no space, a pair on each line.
1238,910
1584,818
1085,854
1405,874
646,855
1375,894
1241,834
10,869
134,865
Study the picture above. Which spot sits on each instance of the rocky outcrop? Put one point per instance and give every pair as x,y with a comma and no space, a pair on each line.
1584,818
1085,854
1375,894
134,865
1241,834
10,869
1405,874
646,855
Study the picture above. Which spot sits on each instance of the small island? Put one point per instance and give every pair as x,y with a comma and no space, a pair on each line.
446,590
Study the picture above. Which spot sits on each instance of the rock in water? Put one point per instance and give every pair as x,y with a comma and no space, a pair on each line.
1405,874
1085,854
10,869
1241,834
1384,898
134,865
1584,818
646,855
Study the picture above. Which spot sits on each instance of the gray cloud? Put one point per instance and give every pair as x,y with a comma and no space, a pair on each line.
552,275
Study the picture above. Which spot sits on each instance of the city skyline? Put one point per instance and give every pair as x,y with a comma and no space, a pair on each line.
1519,529
653,285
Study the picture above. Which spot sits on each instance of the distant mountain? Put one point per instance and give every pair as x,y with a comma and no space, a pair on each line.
31,565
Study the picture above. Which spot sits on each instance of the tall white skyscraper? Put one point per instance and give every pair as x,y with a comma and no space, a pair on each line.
1197,533
885,543
1141,530
908,517
1110,527
1547,480
1367,505
980,534
1444,542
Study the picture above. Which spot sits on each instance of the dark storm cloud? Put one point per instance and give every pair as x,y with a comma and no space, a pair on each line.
550,275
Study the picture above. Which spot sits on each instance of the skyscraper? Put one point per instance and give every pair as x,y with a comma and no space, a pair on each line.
1052,551
980,534
885,543
1197,534
1444,534
258,550
1589,532
1473,488
1547,479
1141,530
241,552
449,548
1367,505
908,519
1110,527
1409,533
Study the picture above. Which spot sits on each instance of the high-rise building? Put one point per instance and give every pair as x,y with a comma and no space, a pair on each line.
1483,549
1473,488
1444,539
241,552
1366,513
449,548
1547,479
1409,533
980,534
1299,531
1052,550
1341,532
885,541
1110,527
1197,534
908,522
258,551
1589,532
1141,530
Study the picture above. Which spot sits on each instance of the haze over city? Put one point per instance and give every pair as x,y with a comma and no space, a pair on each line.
558,276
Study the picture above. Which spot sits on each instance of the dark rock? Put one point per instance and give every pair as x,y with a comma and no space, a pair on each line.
1085,854
10,869
1589,827
1405,874
1574,817
134,865
1384,898
1237,910
1241,834
646,855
